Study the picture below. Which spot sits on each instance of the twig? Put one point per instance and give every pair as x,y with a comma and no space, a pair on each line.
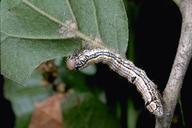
181,62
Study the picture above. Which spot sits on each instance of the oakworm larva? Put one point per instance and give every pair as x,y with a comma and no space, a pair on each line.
123,67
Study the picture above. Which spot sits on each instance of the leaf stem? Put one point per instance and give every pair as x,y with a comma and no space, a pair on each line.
88,39
77,32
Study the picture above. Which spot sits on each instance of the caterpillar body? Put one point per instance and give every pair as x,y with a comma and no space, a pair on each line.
123,67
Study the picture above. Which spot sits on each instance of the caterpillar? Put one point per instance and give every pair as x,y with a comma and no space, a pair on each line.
124,68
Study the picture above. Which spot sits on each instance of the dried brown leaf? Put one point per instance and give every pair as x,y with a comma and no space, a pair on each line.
48,113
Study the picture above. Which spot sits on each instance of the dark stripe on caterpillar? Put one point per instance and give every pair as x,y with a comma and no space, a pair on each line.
126,69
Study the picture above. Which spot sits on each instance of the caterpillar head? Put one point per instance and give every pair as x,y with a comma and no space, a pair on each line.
77,60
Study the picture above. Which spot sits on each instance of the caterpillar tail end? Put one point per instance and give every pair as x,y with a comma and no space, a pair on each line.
155,108
158,113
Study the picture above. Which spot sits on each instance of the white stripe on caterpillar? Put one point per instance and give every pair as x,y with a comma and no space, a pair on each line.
124,68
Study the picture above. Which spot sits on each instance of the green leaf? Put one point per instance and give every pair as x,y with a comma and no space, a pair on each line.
19,57
20,21
23,99
86,111
32,38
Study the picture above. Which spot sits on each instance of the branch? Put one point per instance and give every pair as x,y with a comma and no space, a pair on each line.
180,65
